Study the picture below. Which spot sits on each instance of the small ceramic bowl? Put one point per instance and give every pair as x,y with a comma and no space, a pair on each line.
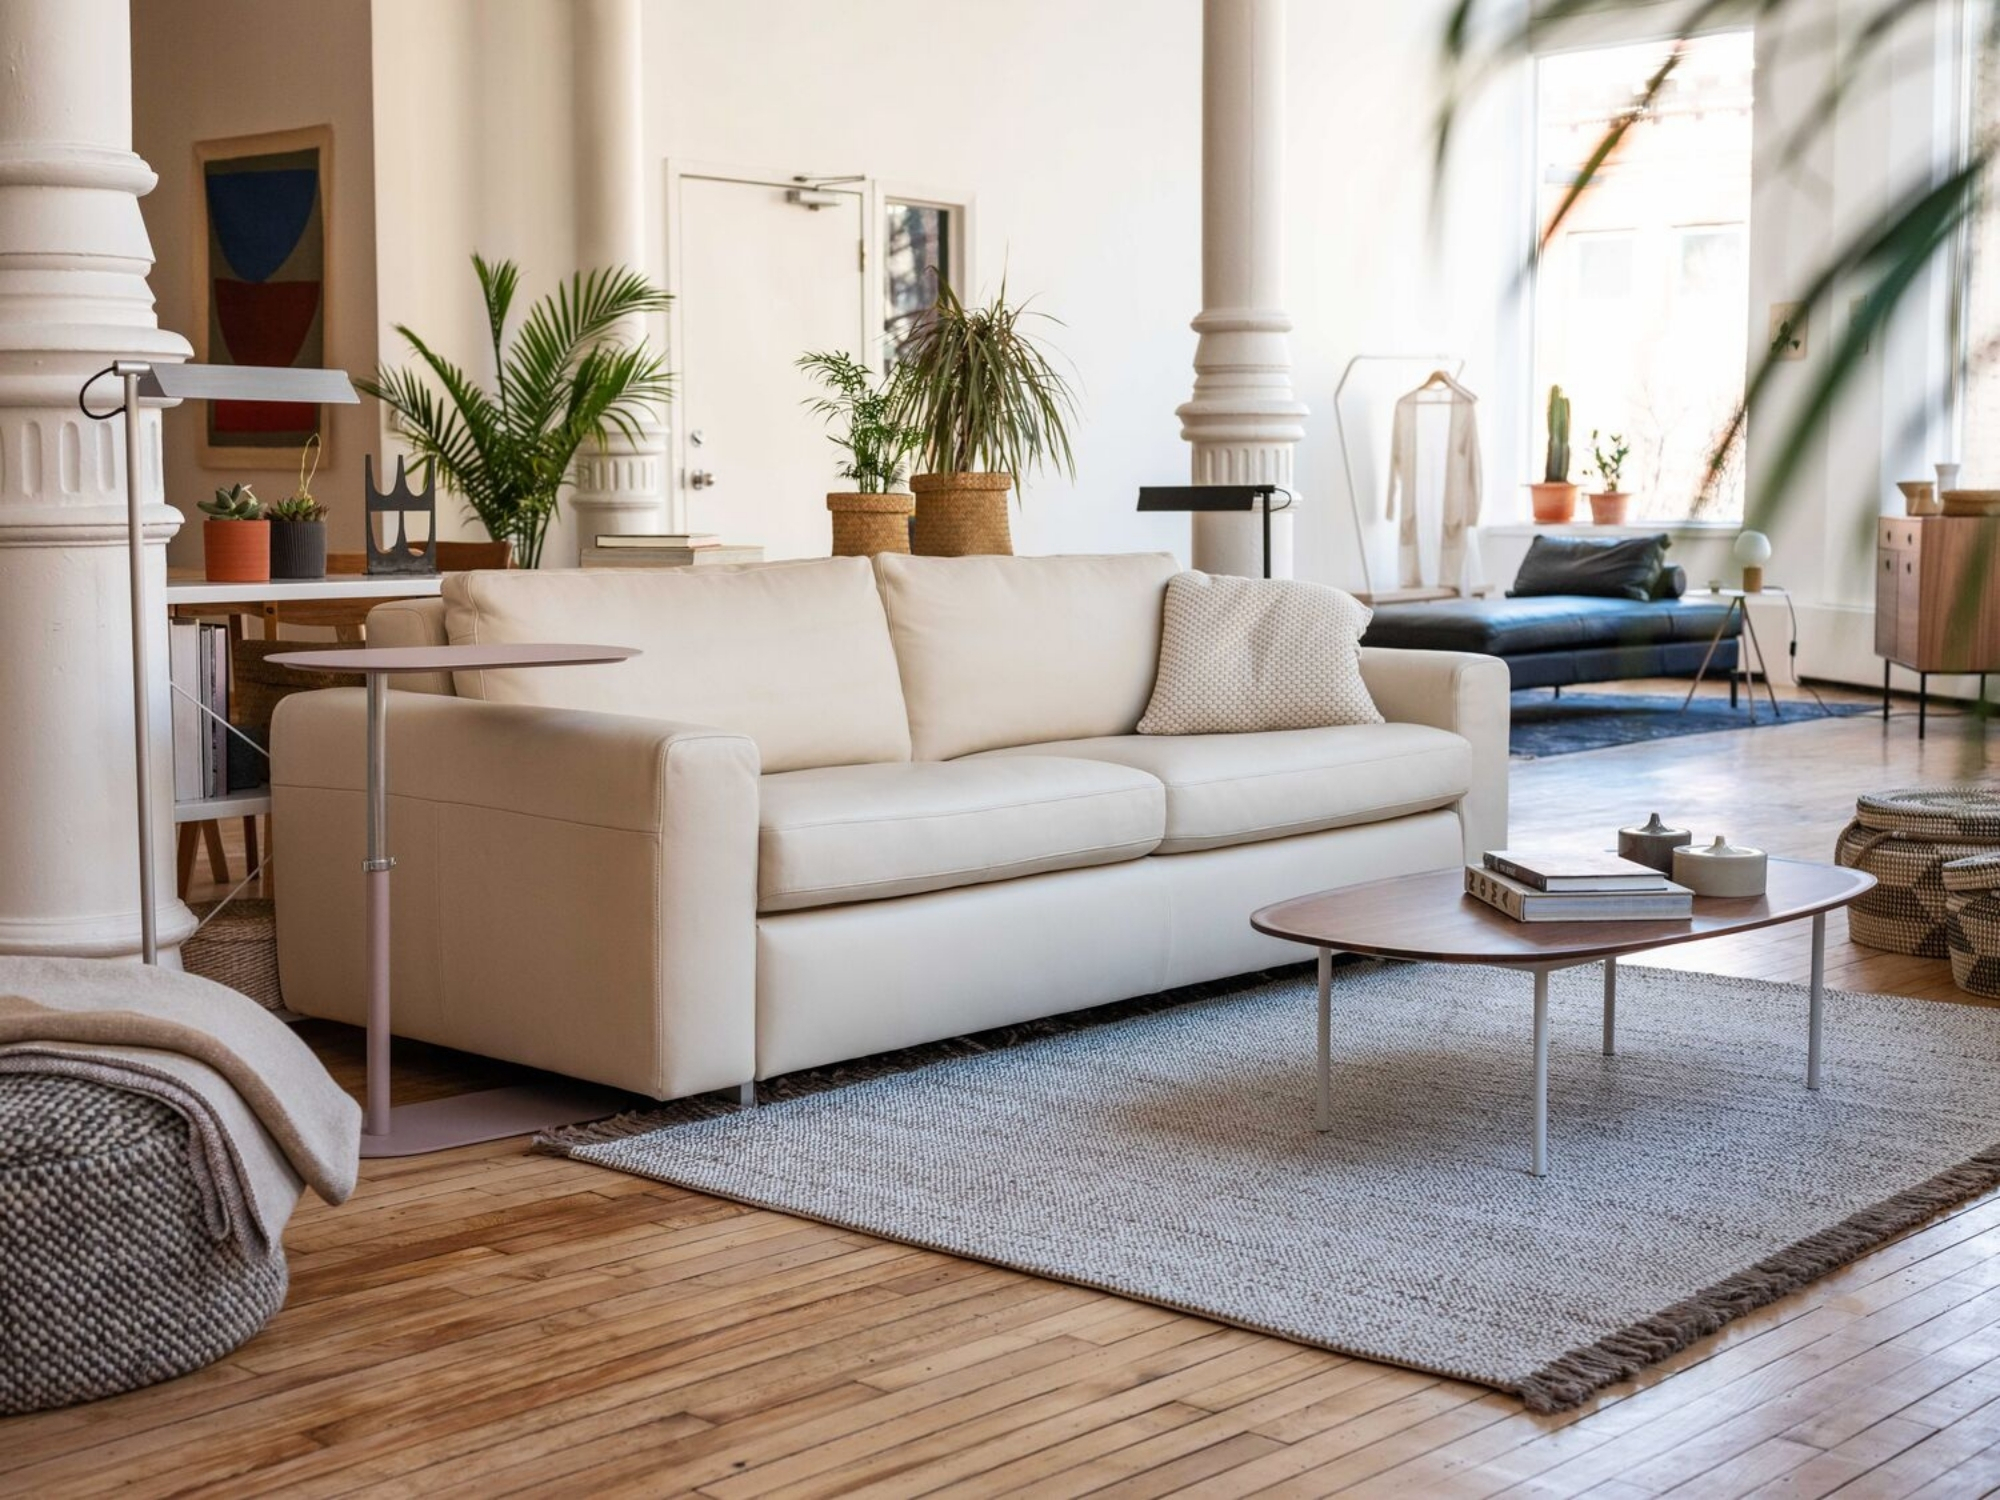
1652,844
1720,869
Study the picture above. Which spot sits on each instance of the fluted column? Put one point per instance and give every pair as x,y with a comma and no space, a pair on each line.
623,486
73,297
1243,420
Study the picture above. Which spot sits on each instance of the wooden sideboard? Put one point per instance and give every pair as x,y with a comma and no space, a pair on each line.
1937,600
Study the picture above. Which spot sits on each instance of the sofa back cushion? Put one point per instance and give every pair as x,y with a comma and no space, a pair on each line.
794,655
1000,651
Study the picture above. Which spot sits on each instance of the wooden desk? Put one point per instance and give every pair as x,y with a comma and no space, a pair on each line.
1937,602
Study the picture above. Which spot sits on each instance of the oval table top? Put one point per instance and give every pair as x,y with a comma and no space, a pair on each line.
468,658
1429,918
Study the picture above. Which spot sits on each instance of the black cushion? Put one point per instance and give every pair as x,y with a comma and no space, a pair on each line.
1673,582
1514,626
1607,567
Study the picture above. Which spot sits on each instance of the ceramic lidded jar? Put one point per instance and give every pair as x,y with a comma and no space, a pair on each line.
1652,844
1720,869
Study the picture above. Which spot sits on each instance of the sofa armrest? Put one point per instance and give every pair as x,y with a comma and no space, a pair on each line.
1467,694
573,891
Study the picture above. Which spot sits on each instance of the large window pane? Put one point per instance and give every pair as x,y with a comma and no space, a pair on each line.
917,252
1642,299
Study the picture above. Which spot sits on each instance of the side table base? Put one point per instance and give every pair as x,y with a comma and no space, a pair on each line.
491,1114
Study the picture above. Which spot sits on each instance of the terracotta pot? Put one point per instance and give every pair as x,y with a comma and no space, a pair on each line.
864,525
298,549
961,515
1608,507
1554,503
236,551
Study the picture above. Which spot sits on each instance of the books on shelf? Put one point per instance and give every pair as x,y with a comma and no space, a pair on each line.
1574,870
1525,903
198,669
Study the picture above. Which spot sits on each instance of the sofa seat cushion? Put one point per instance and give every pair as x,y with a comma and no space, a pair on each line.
1557,622
1242,788
865,833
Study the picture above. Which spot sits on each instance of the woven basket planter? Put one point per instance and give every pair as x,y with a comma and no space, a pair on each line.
864,525
1905,839
238,949
1972,923
961,515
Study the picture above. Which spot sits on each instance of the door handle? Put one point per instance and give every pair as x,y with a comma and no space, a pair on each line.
700,479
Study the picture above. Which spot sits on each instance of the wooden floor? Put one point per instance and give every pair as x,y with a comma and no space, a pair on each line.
488,1322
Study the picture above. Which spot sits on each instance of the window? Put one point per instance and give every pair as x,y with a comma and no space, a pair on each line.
917,243
1642,299
1979,313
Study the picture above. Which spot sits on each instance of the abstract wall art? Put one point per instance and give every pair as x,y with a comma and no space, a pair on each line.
261,283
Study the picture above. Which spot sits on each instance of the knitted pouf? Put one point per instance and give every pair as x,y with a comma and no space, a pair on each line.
110,1277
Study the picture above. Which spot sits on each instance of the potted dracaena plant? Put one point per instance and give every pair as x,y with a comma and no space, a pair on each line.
1555,496
1609,505
872,517
298,524
235,539
990,409
572,374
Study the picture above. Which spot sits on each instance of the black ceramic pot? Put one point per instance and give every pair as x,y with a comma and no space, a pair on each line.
298,549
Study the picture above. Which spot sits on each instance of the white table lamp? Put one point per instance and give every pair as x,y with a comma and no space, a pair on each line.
1753,550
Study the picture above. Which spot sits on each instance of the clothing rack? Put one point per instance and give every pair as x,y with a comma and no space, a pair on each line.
1436,361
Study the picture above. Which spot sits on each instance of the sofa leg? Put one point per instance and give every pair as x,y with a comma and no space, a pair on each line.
746,1094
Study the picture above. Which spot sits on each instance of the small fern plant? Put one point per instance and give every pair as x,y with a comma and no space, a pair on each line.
876,443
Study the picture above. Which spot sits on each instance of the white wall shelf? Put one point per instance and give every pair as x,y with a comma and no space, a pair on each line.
282,591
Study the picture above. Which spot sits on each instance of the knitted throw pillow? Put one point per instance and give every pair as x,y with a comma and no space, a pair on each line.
1238,655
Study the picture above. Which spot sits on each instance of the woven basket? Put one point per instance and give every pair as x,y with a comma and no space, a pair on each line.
1972,923
864,525
238,949
1905,839
961,515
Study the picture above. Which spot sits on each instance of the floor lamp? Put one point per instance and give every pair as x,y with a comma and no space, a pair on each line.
1204,497
173,382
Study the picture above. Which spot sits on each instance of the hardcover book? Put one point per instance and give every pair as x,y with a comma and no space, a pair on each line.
1581,870
1526,904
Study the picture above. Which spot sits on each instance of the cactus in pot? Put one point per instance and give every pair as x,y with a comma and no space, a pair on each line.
235,539
1555,496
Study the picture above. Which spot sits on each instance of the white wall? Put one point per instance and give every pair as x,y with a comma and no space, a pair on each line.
203,69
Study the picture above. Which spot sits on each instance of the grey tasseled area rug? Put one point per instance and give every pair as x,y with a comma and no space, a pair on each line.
1170,1156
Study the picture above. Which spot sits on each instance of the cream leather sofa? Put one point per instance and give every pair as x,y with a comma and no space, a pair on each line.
834,809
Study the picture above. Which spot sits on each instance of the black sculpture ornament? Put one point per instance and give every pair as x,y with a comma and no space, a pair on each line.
401,557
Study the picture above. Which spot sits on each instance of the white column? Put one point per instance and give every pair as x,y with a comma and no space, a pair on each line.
623,486
73,297
1243,420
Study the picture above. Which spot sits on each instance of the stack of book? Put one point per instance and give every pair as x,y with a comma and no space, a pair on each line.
198,667
1558,886
676,549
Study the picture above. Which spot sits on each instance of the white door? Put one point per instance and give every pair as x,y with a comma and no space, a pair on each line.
758,281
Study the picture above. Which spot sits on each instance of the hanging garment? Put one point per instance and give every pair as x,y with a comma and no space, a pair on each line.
1434,482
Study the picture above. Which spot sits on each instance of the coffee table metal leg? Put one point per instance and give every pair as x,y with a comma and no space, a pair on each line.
377,866
1611,1007
1541,1166
1818,999
1323,1109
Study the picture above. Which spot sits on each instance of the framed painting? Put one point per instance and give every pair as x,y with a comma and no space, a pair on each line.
261,260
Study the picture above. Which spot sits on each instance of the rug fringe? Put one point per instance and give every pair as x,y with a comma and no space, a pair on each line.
1580,1374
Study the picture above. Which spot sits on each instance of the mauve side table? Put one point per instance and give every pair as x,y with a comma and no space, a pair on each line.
464,1118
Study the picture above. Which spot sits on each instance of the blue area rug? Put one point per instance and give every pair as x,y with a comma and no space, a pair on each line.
1545,725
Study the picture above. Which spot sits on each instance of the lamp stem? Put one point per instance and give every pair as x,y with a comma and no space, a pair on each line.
142,675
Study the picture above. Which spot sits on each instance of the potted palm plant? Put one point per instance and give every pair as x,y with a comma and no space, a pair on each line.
989,409
1607,455
870,518
566,378
1555,496
298,524
235,539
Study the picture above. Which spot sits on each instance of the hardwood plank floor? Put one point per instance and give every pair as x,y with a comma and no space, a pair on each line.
489,1322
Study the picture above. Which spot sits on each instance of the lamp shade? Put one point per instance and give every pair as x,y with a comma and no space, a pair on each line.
1753,549
246,383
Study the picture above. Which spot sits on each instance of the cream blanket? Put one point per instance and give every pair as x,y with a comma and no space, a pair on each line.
265,1117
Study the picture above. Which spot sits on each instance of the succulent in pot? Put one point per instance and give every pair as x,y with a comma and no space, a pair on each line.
1609,505
298,524
1555,496
235,539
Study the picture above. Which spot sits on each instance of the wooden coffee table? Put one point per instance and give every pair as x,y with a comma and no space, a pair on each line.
1428,918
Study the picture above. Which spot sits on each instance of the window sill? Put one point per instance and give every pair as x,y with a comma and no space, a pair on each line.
1719,530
